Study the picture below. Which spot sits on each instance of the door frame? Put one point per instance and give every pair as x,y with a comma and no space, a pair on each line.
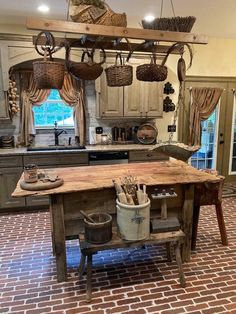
225,111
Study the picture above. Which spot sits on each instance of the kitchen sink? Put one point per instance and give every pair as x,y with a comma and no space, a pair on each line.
52,148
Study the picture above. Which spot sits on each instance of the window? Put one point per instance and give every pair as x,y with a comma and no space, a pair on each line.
205,158
53,109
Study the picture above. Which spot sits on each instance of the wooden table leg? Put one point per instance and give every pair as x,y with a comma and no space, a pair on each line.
168,251
89,277
57,215
187,220
196,213
81,265
179,263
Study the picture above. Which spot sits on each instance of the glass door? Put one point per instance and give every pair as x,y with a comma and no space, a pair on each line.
206,157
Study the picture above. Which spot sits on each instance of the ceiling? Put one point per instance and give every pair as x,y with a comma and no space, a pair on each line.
215,18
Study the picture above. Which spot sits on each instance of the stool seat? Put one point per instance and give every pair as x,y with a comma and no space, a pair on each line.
88,249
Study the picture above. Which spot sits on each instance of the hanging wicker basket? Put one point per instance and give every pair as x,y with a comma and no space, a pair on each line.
48,74
119,74
93,15
151,72
173,24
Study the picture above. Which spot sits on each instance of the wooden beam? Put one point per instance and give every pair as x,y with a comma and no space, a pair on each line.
108,45
113,31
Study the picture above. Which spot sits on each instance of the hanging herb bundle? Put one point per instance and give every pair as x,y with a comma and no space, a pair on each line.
96,3
13,96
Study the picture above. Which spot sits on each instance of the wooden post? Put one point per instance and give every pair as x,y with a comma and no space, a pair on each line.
187,220
57,215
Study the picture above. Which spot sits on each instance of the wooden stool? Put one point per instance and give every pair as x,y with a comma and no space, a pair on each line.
88,249
209,194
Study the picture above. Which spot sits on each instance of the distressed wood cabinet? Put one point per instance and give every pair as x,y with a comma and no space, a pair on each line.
10,171
139,100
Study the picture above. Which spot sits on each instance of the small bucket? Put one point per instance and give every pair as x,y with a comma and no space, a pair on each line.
100,231
133,221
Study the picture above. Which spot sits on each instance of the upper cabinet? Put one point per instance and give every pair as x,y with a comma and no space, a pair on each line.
139,100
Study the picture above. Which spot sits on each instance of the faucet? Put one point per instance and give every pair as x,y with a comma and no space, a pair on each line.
57,133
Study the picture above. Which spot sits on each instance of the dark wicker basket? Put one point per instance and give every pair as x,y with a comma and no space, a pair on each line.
151,72
174,24
119,75
48,74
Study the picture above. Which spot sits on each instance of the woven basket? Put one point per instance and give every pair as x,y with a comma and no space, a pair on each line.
93,15
151,72
174,24
85,70
48,74
119,75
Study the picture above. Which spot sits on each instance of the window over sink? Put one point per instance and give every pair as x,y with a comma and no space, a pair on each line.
53,109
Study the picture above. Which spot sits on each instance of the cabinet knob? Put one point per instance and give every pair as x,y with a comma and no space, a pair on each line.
149,155
141,113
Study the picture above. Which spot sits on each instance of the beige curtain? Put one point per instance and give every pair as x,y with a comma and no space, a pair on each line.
72,93
30,96
204,101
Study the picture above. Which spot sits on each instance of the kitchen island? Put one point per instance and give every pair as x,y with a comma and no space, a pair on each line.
91,189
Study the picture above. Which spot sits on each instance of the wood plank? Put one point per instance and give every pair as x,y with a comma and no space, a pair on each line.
113,31
86,178
57,216
108,45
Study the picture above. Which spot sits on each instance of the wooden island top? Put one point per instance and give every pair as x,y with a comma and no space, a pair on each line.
77,179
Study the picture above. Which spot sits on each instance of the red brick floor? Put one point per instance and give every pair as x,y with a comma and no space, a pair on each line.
124,281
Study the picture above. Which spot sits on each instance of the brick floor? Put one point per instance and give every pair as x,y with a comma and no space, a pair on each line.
124,281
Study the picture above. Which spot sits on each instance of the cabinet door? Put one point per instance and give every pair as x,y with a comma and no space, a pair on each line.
109,99
153,99
143,99
8,180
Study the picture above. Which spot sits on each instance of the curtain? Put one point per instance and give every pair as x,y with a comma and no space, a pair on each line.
204,101
30,96
72,93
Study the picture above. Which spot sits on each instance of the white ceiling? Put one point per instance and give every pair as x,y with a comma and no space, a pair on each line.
216,18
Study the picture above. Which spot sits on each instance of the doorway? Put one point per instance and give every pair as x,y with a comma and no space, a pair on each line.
218,149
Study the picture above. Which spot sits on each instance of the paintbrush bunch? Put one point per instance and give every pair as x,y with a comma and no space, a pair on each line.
129,192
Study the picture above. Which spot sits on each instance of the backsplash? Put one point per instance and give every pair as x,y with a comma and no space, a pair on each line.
46,137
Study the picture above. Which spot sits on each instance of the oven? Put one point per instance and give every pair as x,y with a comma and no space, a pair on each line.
108,158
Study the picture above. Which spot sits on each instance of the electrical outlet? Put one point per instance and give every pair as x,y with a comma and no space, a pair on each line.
171,128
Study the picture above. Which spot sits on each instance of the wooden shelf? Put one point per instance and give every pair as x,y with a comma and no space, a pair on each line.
114,32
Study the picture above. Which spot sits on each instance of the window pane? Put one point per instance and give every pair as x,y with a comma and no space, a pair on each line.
53,109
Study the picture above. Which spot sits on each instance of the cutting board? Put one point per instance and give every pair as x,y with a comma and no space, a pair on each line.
40,185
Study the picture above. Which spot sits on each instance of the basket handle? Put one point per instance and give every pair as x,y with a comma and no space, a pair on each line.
49,46
90,56
118,56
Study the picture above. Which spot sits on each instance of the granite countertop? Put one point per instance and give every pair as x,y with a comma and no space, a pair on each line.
89,148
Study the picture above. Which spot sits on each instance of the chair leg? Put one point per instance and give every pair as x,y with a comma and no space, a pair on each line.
221,224
89,278
179,263
196,213
81,265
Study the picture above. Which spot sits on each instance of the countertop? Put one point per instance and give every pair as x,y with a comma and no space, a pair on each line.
100,177
89,148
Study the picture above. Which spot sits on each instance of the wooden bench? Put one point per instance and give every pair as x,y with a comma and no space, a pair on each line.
88,249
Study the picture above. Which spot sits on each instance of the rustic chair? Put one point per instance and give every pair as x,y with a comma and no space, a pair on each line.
209,194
